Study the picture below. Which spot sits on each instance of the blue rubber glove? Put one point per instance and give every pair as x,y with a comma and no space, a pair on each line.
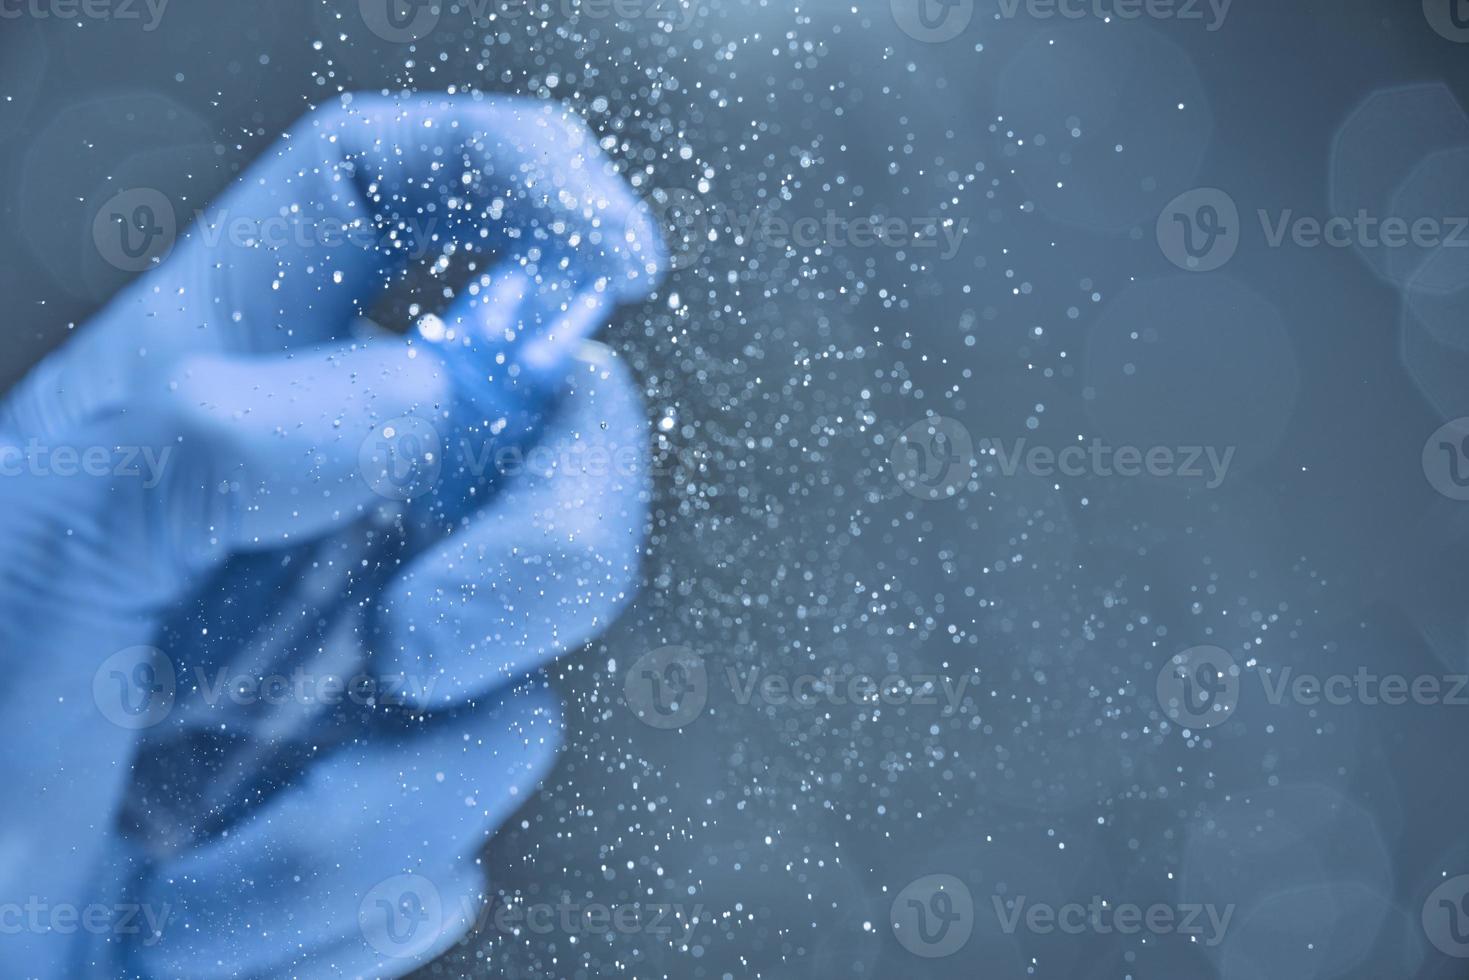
285,499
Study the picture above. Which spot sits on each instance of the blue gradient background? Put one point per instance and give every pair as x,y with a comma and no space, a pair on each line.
788,544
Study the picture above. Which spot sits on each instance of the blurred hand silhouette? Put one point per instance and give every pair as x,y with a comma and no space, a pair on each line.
273,604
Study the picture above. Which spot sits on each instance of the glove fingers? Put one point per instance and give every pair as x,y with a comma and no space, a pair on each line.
541,568
65,761
377,871
230,358
314,233
274,450
521,178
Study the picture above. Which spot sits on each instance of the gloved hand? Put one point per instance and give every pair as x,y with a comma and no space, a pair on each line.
283,500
